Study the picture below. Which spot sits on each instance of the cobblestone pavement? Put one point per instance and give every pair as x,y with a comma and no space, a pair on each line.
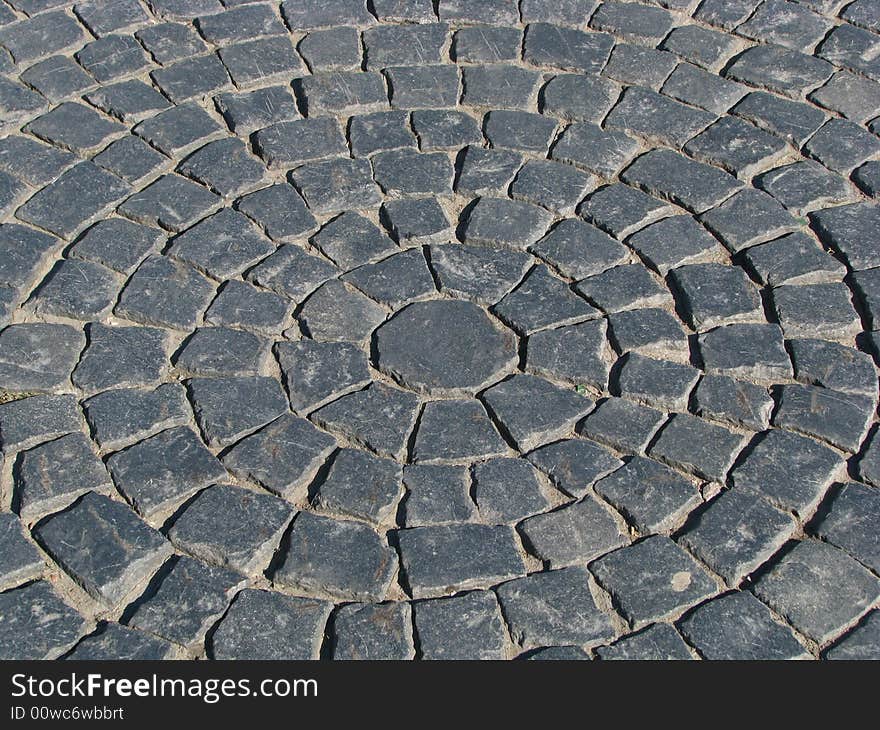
457,329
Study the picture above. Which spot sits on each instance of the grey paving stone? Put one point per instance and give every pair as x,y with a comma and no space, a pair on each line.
103,546
333,49
369,133
794,259
846,229
178,129
226,409
447,558
220,351
114,642
154,481
335,313
479,273
31,161
122,415
454,431
12,192
726,14
696,446
779,69
407,172
816,309
195,77
405,45
868,465
101,18
485,11
504,222
714,294
839,368
20,562
436,494
336,185
248,21
360,485
842,145
737,402
786,23
534,411
632,21
292,272
343,559
486,171
53,348
394,281
37,623
378,417
172,202
633,64
700,45
499,86
131,159
622,425
168,42
341,93
657,383
241,305
673,242
554,46
28,421
852,48
279,210
564,12
793,121
416,220
210,527
578,250
753,351
423,87
248,111
554,608
42,35
112,57
790,470
747,218
373,631
621,210
507,490
851,523
315,372
573,354
295,632
855,97
57,77
183,603
656,117
181,9
628,286
650,331
574,465
804,186
736,146
487,44
867,177
350,240
290,143
540,301
283,457
416,11
819,589
305,14
581,97
224,166
861,643
701,88
552,185
79,194
8,299
737,626
656,643
76,289
464,627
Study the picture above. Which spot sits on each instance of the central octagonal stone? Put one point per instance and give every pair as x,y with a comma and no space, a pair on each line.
444,348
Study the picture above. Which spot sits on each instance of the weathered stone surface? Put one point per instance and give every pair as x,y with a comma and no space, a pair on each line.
657,642
37,624
480,273
656,383
360,485
373,631
122,415
696,446
673,242
578,250
228,408
737,402
850,523
456,430
541,300
19,559
506,490
335,313
292,272
622,425
396,280
464,627
573,465
29,421
436,494
714,294
753,351
316,372
574,354
38,357
841,419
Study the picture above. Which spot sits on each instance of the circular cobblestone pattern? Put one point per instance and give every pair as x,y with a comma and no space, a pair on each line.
439,329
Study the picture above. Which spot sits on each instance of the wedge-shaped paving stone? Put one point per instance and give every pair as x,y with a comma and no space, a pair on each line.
332,186
122,415
116,243
437,494
737,533
714,294
31,161
57,77
554,608
639,66
290,143
487,11
305,14
673,242
277,61
651,331
748,217
701,45
38,356
621,210
350,240
116,643
499,86
791,120
804,186
241,305
504,222
423,87
248,111
566,48
211,527
221,351
292,272
577,249
794,259
786,23
28,421
486,171
737,402
652,580
574,465
522,131
131,159
701,88
479,273
445,559
445,129
172,202
279,211
779,69
78,195
573,354
163,470
380,131
534,411
578,97
507,490
789,470
657,383
652,497
112,57
343,559
415,11
228,408
224,166
315,372
74,127
658,642
853,96
736,146
295,631
863,642
283,457
416,220
690,184
28,40
342,93
195,77
336,313
464,627
396,280
552,185
841,419
378,417
622,425
361,485
848,229
178,129
183,603
851,523
693,445
76,289
819,589
102,20
407,172
575,533
373,631
738,626
818,362
37,624
333,49
444,347
867,177
104,547
816,309
753,351
454,431
632,20
842,145
656,117
540,301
